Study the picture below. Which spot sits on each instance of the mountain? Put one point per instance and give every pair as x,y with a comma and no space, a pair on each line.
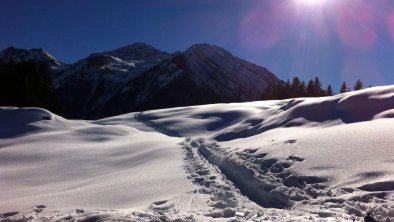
86,86
203,74
39,54
140,77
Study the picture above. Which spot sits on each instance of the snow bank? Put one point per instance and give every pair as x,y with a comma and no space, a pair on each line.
18,121
333,152
225,122
325,159
352,107
76,164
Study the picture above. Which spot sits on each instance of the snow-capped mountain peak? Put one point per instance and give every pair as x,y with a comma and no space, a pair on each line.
137,51
207,50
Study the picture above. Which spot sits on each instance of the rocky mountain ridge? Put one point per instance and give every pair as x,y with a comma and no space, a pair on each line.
140,77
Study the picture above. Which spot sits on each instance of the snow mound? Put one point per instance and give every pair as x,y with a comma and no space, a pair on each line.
224,122
45,159
304,159
352,107
16,121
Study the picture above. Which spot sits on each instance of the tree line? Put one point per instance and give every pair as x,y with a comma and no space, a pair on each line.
298,88
27,84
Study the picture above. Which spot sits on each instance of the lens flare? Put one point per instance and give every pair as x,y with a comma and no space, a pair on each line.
310,2
356,25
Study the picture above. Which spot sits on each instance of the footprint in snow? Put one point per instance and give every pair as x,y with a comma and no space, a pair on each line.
250,151
160,202
290,141
9,214
296,158
261,155
39,208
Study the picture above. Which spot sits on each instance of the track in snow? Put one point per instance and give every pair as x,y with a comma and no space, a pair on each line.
234,186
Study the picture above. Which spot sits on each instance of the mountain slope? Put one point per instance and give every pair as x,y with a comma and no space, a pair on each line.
203,74
17,55
86,86
140,77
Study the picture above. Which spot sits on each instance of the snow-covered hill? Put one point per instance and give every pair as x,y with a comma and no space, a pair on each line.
307,159
140,77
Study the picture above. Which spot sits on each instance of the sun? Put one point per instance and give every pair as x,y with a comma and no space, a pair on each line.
311,2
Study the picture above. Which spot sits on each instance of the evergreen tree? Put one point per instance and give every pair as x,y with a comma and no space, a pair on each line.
329,90
287,91
344,88
295,88
318,87
310,89
358,85
27,83
303,89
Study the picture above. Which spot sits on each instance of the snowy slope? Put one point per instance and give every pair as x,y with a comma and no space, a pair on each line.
306,159
330,152
76,164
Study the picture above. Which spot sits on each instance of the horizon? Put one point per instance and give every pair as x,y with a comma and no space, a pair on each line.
334,40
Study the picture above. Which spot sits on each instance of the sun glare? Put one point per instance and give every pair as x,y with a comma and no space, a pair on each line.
311,3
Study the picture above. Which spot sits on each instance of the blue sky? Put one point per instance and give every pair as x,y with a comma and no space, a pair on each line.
337,40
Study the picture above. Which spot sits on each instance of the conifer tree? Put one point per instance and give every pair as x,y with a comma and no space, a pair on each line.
295,88
358,85
318,87
27,83
344,88
303,89
329,90
311,89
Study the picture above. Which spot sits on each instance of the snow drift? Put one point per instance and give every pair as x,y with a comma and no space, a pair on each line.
315,159
45,159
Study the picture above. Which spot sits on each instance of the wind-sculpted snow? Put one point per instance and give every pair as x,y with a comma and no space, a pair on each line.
45,159
20,121
306,159
224,122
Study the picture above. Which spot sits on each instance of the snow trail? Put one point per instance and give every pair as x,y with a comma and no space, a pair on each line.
248,187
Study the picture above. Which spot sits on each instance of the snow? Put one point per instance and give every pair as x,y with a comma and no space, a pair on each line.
71,164
304,159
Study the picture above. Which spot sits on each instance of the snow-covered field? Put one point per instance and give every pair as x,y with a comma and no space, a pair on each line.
305,159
